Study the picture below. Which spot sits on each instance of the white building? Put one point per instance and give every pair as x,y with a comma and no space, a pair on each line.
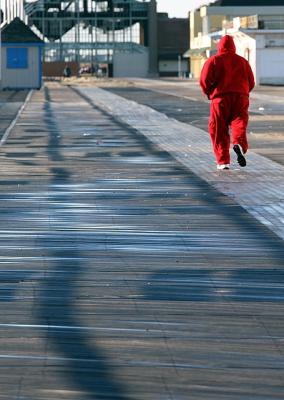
210,22
261,42
21,57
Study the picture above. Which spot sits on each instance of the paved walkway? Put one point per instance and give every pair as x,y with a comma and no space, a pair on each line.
124,274
184,101
10,104
259,188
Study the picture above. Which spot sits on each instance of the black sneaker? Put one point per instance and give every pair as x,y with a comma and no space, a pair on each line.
240,154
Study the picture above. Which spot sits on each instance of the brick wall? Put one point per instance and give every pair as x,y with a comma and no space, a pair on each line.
54,69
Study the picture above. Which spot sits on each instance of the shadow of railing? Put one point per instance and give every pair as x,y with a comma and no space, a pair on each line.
85,365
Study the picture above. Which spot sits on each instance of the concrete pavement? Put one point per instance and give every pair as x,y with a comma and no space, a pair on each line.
183,100
124,274
259,188
10,104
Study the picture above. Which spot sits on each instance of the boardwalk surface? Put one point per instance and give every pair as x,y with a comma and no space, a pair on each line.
10,103
184,101
123,274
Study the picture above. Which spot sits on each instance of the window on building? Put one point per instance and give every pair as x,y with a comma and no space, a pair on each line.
17,57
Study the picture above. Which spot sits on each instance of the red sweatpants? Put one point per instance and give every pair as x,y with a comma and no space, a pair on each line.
230,110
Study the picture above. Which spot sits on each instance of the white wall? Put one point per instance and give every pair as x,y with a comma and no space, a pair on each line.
266,62
21,78
246,47
270,63
130,64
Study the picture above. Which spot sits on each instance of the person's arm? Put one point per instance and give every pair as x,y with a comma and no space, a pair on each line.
207,78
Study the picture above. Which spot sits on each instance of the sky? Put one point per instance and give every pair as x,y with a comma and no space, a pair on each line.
179,8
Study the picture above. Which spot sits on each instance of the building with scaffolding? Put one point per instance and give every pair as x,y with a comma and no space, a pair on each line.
93,32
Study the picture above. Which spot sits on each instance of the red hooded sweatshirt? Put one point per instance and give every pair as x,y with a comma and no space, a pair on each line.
226,72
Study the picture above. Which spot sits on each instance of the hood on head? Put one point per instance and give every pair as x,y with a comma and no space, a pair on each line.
226,44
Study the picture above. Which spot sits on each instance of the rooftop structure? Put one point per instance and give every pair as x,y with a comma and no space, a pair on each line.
207,24
18,32
21,57
89,30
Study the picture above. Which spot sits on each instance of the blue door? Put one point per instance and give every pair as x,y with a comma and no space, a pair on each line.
17,57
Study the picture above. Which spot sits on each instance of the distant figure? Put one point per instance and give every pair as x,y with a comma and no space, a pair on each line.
227,80
67,72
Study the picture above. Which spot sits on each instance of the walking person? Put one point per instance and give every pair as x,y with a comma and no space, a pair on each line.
227,80
67,72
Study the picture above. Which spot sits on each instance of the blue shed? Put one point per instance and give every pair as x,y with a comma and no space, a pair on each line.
21,57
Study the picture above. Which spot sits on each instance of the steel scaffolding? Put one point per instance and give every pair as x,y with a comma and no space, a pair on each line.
89,31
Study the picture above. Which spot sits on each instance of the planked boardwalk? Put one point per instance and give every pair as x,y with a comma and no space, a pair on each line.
123,274
10,103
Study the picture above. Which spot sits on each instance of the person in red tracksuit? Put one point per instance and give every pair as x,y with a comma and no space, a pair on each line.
227,80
